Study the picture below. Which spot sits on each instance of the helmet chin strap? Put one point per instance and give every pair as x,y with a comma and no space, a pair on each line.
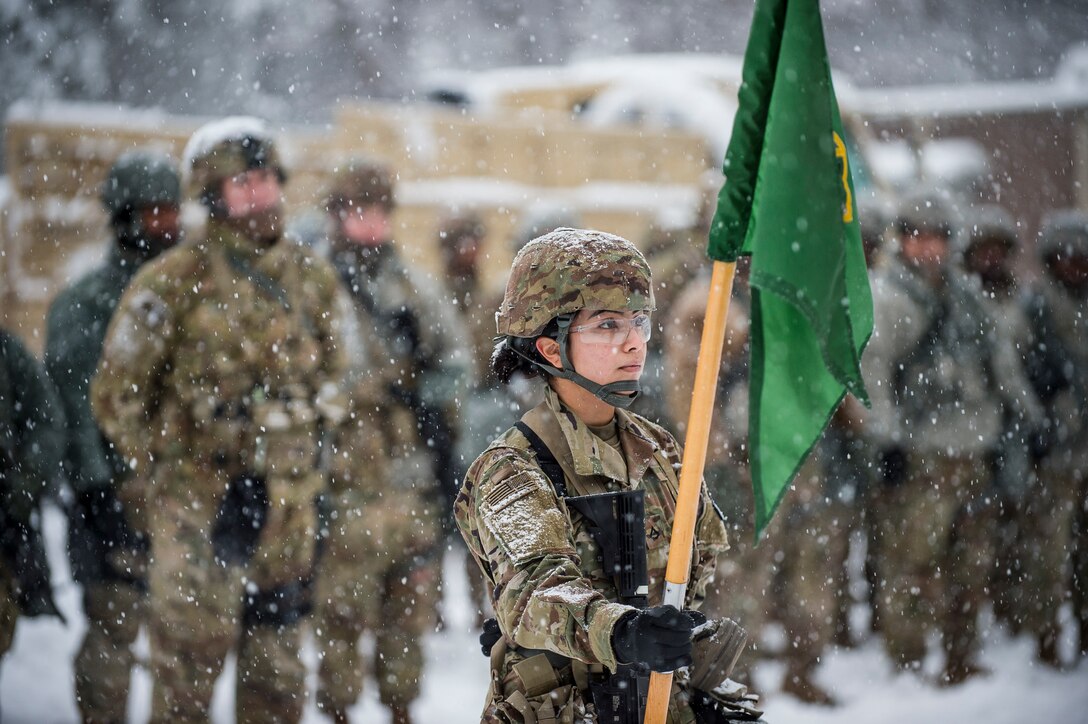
612,393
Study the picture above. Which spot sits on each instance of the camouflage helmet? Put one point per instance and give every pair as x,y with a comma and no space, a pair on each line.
924,211
140,178
225,148
1065,233
987,222
360,182
567,270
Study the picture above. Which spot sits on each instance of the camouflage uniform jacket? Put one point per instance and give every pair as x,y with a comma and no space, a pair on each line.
1058,365
76,328
427,342
381,470
218,358
31,430
550,591
930,368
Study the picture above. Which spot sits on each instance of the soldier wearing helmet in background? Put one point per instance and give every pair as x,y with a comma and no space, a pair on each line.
988,246
569,633
1058,369
676,255
106,545
216,383
393,466
938,401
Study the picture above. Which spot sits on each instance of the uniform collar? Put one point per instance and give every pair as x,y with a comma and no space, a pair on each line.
221,235
593,456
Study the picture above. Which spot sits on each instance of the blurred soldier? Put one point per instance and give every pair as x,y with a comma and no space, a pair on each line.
460,239
389,502
742,582
676,255
987,247
108,555
217,376
938,400
1058,366
875,217
31,447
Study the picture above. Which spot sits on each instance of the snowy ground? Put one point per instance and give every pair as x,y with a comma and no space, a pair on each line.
36,676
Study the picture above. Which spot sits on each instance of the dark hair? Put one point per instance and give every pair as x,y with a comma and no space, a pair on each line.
513,354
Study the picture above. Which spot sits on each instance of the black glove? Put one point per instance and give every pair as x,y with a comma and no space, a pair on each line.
1041,441
893,466
658,637
698,618
239,520
104,515
490,636
24,552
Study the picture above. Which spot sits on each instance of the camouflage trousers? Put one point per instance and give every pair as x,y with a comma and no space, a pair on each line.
811,540
380,574
9,609
935,556
1036,570
1079,583
103,666
196,607
742,580
791,576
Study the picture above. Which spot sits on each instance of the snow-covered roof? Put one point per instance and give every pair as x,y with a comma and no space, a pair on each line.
483,88
1061,93
65,113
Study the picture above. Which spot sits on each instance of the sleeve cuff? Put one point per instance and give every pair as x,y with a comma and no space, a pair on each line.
600,632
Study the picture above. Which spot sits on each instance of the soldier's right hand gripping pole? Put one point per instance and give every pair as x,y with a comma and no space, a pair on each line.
691,475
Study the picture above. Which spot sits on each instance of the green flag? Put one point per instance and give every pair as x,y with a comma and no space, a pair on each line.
788,203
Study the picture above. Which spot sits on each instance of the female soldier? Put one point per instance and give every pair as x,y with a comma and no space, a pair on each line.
538,508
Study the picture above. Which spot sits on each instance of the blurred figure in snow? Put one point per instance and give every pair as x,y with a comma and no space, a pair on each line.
393,464
107,542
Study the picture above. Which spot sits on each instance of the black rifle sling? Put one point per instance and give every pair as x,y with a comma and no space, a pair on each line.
545,459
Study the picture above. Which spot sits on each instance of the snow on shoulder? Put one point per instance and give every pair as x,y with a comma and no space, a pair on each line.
231,128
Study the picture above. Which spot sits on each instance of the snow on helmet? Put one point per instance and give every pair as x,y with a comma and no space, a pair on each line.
556,275
1064,232
225,148
925,211
567,270
987,222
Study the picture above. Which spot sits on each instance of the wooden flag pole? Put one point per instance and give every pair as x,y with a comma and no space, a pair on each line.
691,474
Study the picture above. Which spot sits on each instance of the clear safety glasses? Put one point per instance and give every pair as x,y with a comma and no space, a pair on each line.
614,330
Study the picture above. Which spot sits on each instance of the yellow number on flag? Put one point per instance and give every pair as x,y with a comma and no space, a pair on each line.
840,152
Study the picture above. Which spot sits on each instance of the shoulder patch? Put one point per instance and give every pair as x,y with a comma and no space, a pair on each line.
521,511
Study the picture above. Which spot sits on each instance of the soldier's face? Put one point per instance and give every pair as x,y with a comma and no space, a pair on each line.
252,192
254,204
926,250
605,362
160,224
366,225
1071,271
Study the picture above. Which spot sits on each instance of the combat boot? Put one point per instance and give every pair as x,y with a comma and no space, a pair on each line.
799,683
959,669
400,715
1048,649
